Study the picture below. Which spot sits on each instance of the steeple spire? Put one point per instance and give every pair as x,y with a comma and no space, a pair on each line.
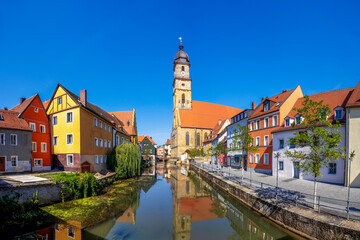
181,46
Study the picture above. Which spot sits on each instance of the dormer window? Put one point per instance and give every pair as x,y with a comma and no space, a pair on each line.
1,117
287,122
339,113
266,106
297,119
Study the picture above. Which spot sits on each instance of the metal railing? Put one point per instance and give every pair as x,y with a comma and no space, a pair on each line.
336,207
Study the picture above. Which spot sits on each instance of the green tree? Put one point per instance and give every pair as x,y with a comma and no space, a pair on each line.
125,160
243,142
196,152
319,140
219,149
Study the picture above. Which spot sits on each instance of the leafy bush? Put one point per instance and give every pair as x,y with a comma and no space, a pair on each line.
78,185
125,160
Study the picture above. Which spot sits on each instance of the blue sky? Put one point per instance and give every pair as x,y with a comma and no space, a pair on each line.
122,51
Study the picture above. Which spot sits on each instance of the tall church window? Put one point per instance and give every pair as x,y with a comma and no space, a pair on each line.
183,99
182,68
198,139
187,138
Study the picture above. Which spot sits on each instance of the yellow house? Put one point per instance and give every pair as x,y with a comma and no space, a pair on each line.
81,132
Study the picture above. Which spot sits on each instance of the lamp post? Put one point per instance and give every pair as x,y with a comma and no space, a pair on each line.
277,155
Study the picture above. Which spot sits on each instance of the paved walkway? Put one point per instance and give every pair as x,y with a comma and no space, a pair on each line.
291,187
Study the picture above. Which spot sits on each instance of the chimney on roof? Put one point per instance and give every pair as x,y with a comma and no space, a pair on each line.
253,105
22,100
284,91
83,97
5,108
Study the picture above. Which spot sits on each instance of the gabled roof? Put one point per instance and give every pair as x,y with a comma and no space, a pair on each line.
127,118
333,98
168,142
205,115
46,103
199,208
278,100
119,125
215,131
355,97
10,120
20,108
141,138
89,106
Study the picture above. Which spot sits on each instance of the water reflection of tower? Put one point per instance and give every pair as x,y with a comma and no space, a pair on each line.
182,188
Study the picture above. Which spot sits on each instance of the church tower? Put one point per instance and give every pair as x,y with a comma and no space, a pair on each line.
182,80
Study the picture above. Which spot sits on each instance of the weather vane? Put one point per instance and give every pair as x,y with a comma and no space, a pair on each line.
180,38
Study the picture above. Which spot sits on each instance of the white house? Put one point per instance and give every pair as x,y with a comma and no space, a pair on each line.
335,171
235,157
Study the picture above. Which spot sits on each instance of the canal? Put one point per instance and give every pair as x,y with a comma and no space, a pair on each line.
166,204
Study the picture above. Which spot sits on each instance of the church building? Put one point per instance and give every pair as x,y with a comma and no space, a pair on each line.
192,120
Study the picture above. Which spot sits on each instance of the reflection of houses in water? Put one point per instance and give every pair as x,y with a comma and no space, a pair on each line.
129,216
67,231
190,204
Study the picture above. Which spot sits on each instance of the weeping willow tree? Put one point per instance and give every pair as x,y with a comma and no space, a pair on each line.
125,160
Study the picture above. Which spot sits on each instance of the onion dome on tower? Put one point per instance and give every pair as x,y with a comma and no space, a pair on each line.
181,56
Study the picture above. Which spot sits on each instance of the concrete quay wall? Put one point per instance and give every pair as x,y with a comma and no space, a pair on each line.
307,223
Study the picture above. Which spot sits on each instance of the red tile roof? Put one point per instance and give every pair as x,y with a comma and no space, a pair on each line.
168,142
12,121
215,131
205,115
46,103
279,98
127,118
141,138
119,126
332,98
20,108
355,97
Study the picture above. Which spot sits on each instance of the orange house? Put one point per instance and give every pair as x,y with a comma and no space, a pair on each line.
268,117
33,112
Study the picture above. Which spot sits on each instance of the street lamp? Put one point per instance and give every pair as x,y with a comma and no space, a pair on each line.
277,155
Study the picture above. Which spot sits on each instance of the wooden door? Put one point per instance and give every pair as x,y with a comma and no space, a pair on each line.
2,164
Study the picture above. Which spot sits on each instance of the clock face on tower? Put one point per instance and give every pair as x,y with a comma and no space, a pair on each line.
182,73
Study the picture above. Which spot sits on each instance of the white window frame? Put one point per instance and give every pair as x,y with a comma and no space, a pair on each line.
43,144
53,120
251,158
101,159
37,159
257,143
257,124
101,142
32,146
266,155
296,117
71,139
277,120
16,140
95,122
257,158
252,126
67,159
57,139
266,125
32,126
342,113
266,144
287,119
16,160
42,126
96,142
3,134
96,159
36,109
72,230
72,116
117,140
100,124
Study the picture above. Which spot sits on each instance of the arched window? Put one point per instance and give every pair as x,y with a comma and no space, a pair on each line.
205,136
183,98
182,68
198,139
187,138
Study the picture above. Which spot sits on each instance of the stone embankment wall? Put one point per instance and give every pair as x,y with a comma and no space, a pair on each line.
306,223
47,193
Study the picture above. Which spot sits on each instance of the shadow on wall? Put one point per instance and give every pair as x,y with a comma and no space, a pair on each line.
356,182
